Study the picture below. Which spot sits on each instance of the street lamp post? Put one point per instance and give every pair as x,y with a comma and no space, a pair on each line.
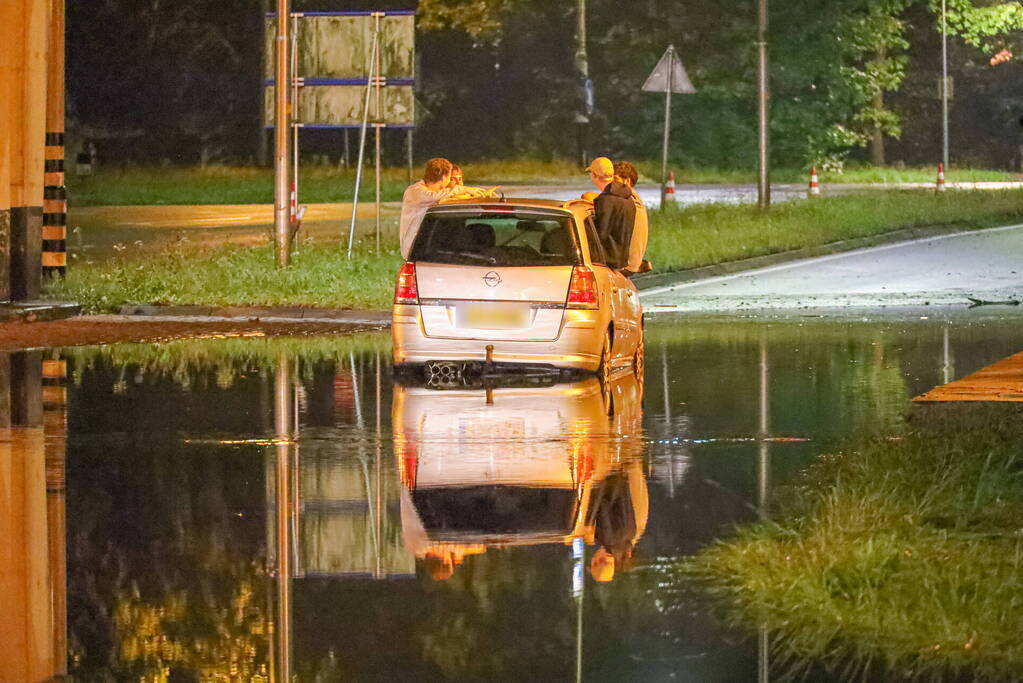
763,101
582,67
944,87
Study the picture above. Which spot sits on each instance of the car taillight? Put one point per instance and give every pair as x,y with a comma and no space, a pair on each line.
408,459
582,291
406,292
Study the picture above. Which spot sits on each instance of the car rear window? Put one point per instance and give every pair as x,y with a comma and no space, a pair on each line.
496,239
495,509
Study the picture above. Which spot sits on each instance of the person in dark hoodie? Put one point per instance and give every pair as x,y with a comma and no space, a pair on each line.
614,212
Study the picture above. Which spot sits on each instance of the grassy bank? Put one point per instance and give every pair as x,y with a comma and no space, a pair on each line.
327,184
900,553
320,276
714,233
680,238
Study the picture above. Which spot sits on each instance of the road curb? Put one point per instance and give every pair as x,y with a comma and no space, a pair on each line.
38,311
677,277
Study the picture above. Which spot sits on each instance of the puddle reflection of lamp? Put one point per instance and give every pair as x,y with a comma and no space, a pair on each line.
763,482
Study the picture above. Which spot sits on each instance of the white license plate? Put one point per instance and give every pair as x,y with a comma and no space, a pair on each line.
493,317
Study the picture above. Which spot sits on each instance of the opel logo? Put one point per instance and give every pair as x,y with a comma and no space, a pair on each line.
492,279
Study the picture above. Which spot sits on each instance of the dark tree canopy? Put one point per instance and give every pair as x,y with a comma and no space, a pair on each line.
180,81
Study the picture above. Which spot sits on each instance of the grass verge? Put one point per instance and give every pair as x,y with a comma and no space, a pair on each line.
327,184
897,554
708,234
322,276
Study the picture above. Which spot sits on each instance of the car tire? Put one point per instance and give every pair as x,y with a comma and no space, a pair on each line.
639,357
604,372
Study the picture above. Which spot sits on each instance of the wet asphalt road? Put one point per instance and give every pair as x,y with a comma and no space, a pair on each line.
104,231
946,270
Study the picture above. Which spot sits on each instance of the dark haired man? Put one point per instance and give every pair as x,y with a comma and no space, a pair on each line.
626,173
420,196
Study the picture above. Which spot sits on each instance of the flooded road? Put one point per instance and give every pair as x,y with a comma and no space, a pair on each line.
256,509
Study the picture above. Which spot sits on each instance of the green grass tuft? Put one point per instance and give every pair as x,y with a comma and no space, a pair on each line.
902,553
320,276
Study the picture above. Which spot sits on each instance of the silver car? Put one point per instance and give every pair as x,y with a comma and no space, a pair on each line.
515,282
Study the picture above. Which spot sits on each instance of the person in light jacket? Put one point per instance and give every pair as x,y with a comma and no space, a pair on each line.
419,196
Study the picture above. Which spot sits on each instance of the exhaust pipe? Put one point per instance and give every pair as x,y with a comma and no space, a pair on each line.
443,373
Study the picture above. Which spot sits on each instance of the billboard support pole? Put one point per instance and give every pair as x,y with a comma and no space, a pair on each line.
408,150
293,207
282,121
362,146
378,77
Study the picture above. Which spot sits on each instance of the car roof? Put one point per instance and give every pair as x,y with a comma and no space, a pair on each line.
508,202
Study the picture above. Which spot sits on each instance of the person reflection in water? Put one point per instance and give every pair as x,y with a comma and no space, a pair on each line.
620,505
440,561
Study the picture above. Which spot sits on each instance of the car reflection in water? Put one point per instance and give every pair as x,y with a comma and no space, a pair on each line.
519,466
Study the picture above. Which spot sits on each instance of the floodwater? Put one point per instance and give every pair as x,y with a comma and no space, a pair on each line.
250,509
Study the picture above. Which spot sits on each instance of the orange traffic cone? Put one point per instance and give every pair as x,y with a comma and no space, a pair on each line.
669,188
940,187
815,186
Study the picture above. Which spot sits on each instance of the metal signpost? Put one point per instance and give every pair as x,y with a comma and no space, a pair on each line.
944,87
339,61
763,110
669,76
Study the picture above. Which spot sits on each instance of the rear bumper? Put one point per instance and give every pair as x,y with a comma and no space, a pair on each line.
577,346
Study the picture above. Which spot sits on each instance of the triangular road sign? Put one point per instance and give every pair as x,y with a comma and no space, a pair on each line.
657,81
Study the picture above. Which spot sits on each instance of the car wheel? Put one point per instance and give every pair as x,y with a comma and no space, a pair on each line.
604,372
604,369
639,358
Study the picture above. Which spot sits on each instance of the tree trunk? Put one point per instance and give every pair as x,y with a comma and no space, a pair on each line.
877,138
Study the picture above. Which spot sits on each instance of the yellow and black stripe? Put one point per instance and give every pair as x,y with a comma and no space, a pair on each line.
54,258
55,421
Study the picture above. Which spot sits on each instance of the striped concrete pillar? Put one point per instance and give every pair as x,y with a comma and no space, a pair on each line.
54,247
54,381
55,421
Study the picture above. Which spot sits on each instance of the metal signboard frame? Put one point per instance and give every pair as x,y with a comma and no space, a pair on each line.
377,60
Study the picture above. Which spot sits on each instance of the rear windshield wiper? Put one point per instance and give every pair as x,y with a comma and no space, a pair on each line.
469,255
